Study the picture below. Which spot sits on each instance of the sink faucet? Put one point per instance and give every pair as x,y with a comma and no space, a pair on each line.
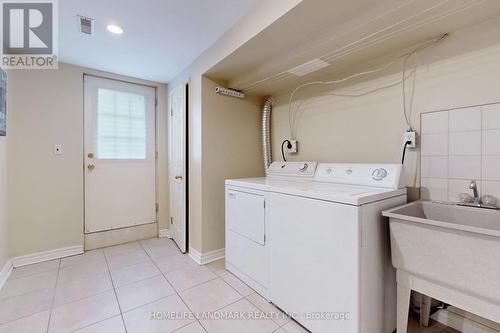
477,202
473,187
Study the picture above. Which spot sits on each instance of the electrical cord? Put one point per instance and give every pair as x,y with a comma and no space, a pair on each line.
353,95
405,57
403,87
404,152
330,82
288,145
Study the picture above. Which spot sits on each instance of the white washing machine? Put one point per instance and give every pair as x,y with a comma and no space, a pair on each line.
312,240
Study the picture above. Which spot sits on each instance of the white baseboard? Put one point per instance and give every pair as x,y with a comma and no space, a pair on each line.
164,233
461,323
35,258
5,272
207,257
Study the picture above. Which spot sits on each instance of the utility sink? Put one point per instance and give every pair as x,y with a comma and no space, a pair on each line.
482,221
447,252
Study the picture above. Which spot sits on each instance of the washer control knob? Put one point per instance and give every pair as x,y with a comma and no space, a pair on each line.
304,167
379,174
328,171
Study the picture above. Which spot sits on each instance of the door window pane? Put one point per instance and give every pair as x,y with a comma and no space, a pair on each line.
121,125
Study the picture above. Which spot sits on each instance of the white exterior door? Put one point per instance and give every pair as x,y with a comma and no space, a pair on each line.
119,154
178,110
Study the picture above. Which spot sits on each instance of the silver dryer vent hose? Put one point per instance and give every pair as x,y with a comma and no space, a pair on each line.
266,131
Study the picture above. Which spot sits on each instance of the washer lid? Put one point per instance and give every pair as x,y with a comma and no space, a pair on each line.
349,183
342,193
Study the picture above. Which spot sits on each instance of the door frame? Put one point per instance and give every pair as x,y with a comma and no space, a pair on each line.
156,203
187,89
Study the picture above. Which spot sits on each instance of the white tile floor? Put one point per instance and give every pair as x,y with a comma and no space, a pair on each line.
117,288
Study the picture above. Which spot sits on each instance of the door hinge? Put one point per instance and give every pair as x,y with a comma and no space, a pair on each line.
171,220
156,102
171,112
156,154
264,204
157,206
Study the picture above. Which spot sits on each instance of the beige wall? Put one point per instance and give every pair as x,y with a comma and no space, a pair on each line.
261,16
232,147
4,240
463,71
46,191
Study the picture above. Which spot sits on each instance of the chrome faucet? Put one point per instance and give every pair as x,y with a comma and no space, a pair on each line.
473,187
476,201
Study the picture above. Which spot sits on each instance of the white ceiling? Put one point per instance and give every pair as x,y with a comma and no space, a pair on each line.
161,38
346,34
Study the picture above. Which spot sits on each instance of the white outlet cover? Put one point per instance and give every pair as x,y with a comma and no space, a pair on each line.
294,149
58,149
410,136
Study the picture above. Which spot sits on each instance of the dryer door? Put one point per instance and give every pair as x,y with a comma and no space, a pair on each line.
246,215
246,251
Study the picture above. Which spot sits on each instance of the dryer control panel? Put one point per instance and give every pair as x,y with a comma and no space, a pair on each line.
292,169
376,175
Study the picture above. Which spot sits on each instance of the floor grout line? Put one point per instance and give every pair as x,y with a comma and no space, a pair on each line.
31,275
197,285
215,278
27,293
53,296
176,293
98,322
116,296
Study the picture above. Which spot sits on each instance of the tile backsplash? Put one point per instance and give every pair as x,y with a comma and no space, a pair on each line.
458,146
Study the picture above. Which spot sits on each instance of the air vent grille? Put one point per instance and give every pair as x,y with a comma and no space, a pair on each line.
86,25
308,67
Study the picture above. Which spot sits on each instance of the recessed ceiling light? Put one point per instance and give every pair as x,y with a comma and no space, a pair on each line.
114,29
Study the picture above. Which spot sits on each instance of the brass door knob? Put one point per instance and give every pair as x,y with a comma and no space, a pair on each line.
91,167
90,155
178,177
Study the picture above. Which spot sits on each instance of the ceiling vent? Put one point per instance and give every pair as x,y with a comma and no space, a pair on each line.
85,25
308,67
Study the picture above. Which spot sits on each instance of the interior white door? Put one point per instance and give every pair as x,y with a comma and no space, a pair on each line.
119,154
178,111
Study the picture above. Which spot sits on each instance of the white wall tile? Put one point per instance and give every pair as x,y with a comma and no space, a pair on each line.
435,166
491,116
434,189
491,142
468,119
491,167
435,122
465,143
459,146
465,167
493,189
435,144
458,186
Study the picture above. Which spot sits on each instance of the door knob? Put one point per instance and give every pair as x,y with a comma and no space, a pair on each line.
91,167
90,155
178,177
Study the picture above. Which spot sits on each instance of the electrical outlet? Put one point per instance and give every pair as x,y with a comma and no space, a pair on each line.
412,137
294,149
